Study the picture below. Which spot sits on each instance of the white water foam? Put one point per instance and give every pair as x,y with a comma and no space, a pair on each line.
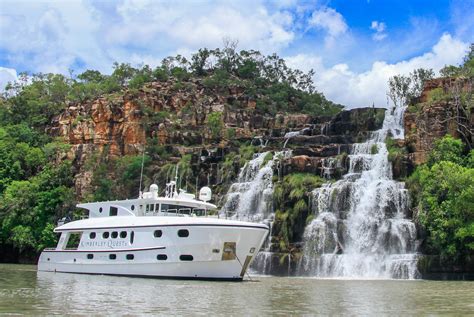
361,229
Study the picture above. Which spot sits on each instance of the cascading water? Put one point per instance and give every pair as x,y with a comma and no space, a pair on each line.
251,199
361,229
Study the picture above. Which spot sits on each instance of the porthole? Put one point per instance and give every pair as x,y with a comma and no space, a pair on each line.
92,235
114,234
216,250
183,233
112,256
133,207
132,236
90,256
100,209
186,257
158,233
130,257
105,235
162,257
123,234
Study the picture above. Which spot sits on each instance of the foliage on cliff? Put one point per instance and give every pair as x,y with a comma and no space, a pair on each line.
34,191
443,195
292,208
267,79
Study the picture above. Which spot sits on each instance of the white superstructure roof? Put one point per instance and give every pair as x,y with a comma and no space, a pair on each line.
149,221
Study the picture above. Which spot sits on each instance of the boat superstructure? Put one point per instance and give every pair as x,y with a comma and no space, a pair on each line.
172,236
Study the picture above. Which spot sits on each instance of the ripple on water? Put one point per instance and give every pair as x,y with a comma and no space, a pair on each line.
24,291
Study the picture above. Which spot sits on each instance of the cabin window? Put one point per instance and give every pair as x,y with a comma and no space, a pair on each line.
123,234
114,234
199,212
175,209
105,235
100,209
113,211
186,257
130,256
158,233
157,207
147,208
92,235
73,241
90,256
132,237
112,256
133,207
183,233
162,257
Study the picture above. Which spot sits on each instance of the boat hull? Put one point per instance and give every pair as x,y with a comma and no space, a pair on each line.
209,252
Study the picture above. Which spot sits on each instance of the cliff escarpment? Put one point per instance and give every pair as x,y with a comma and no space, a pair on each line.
209,134
445,107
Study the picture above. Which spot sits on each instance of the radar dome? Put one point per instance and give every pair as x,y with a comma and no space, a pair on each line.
205,194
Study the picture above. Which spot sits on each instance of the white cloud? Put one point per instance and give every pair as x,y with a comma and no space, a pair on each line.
354,90
379,28
194,25
329,20
50,36
53,36
7,75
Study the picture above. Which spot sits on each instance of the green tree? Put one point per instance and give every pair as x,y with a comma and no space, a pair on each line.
443,193
215,124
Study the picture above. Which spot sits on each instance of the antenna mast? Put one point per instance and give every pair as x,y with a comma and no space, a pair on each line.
141,174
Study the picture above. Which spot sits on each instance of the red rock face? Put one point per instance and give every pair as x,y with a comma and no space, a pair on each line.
175,117
433,119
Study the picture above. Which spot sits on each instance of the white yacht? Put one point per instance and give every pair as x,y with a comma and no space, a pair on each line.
171,237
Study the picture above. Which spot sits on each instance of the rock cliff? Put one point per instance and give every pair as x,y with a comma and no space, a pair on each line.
178,119
440,110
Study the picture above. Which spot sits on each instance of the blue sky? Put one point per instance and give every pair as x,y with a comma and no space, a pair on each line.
353,45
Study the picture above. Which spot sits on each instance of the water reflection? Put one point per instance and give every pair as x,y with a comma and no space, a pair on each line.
25,291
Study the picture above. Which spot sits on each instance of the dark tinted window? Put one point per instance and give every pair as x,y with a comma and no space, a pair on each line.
114,234
123,234
92,235
186,257
158,233
105,235
112,256
132,237
130,256
90,256
113,211
100,209
183,233
162,257
171,208
133,207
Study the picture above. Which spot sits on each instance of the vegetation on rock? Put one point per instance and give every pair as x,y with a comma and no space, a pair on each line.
292,206
443,195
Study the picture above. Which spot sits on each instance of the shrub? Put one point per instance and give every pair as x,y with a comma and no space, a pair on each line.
443,193
215,124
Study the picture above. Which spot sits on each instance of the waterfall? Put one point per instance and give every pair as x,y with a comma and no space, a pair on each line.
251,199
293,134
361,229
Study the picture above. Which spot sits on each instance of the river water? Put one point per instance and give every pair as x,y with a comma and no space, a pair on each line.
25,291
